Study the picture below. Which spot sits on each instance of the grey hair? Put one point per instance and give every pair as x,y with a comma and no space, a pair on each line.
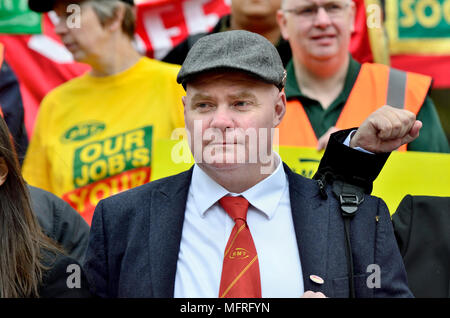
106,10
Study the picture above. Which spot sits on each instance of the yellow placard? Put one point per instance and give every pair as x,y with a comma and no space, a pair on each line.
170,157
415,173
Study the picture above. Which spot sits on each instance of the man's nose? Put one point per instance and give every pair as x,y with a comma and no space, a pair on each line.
222,119
322,19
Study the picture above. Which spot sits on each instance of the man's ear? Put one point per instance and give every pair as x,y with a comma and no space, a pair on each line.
280,108
115,23
352,16
281,19
3,171
183,99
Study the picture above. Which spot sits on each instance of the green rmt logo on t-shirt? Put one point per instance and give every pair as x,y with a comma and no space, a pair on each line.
83,131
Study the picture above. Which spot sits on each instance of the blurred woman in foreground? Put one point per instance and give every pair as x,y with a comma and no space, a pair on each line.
31,264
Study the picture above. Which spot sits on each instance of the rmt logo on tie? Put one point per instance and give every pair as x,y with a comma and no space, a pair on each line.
239,253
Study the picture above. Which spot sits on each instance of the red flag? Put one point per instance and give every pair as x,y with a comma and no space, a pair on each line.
162,24
41,63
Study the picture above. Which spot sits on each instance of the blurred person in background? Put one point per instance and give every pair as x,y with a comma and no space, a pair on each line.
259,16
31,264
328,90
57,218
11,106
254,16
94,134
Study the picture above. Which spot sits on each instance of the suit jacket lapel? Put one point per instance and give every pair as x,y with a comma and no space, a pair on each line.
168,206
311,217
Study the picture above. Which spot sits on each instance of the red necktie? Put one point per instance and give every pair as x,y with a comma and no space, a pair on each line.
240,270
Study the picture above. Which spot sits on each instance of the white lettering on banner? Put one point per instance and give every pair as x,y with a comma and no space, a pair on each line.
159,36
50,48
23,5
12,5
196,19
53,17
6,5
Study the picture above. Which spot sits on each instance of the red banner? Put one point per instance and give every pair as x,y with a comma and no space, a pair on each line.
41,62
162,24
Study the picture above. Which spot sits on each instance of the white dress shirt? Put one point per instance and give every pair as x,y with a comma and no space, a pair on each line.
207,227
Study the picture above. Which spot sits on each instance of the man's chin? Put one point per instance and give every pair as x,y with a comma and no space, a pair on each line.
222,165
226,166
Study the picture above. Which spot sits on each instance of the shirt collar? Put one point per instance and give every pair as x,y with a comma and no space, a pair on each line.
205,191
265,195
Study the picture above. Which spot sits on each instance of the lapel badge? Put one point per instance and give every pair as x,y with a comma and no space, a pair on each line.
316,279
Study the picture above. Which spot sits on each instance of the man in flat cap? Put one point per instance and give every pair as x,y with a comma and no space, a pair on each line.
125,96
240,223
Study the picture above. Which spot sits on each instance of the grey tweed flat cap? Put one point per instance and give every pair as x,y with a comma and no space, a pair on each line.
237,50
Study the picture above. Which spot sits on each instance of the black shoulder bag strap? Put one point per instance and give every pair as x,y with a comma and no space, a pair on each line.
350,197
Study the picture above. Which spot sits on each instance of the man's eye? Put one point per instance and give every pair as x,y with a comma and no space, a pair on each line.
202,106
242,103
307,11
333,7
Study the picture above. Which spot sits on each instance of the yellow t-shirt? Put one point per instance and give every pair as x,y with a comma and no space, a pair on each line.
93,135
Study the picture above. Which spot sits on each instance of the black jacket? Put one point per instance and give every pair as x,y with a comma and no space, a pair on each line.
12,107
65,278
60,222
422,230
340,162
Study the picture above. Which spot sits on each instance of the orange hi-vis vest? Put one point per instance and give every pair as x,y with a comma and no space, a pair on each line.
375,86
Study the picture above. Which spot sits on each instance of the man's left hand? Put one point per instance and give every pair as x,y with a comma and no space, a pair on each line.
386,129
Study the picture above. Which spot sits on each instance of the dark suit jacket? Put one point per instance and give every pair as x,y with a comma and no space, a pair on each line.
135,239
422,228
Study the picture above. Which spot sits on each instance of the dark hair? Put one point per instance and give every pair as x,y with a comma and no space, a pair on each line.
22,242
